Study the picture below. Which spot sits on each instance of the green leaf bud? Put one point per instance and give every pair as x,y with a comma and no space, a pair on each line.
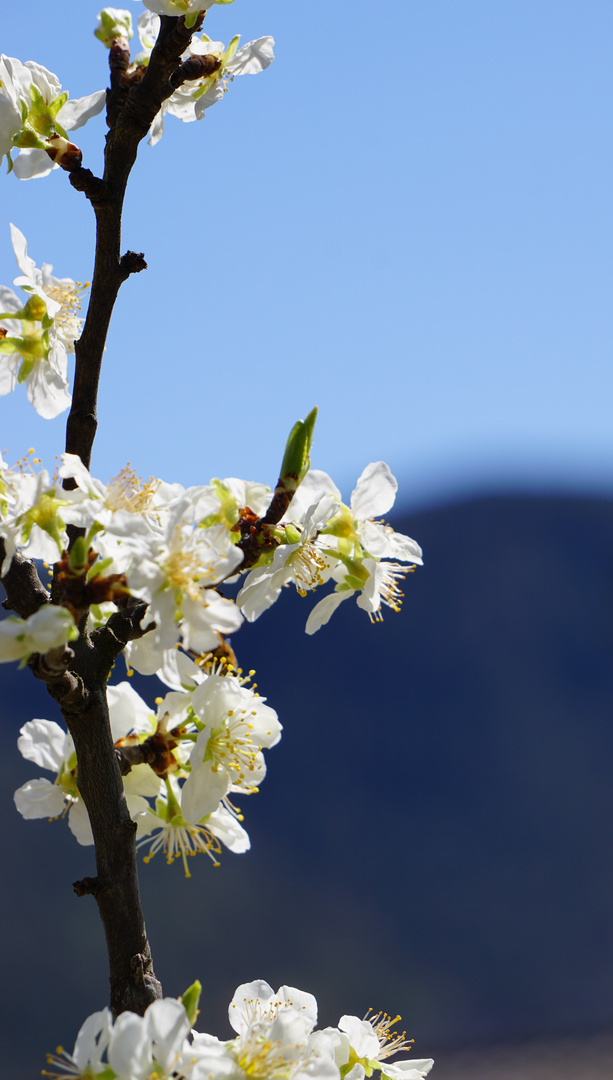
296,460
114,23
190,999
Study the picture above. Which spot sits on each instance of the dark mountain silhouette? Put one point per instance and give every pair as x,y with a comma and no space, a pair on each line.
434,836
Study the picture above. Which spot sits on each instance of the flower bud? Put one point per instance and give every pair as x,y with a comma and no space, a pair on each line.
190,999
114,23
296,460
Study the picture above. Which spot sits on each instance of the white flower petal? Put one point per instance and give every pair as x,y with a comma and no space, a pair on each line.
375,491
408,1069
39,799
32,164
78,823
77,111
45,743
324,610
253,57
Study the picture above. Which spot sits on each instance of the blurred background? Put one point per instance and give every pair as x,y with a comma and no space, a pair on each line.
407,221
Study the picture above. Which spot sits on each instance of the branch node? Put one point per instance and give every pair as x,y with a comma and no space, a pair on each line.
131,263
122,627
93,188
52,664
195,67
25,593
142,976
87,886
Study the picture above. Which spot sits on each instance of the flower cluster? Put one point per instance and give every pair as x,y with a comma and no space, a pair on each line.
36,337
174,546
151,558
209,64
275,1039
36,116
202,745
171,548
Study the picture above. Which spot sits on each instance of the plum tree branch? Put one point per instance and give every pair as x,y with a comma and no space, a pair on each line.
128,125
80,688
80,691
25,593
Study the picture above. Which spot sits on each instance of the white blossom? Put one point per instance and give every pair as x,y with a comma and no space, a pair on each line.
49,628
274,1040
89,1049
169,828
45,112
31,354
61,296
48,746
227,755
191,100
175,572
181,7
372,1041
301,559
30,517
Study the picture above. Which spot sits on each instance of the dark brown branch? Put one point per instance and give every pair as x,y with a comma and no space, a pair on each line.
91,186
195,67
81,694
87,886
119,61
131,119
122,627
25,593
155,751
257,536
117,894
132,105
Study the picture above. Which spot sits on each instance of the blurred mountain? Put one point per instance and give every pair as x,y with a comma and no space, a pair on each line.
435,833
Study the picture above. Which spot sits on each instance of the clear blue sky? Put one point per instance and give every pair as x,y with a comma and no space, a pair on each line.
406,220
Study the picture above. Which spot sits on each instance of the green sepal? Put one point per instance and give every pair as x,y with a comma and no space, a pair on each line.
341,525
206,85
224,57
292,535
356,572
78,554
42,117
9,345
94,530
29,139
354,583
232,47
98,568
58,103
34,310
190,19
190,999
44,514
59,130
26,369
